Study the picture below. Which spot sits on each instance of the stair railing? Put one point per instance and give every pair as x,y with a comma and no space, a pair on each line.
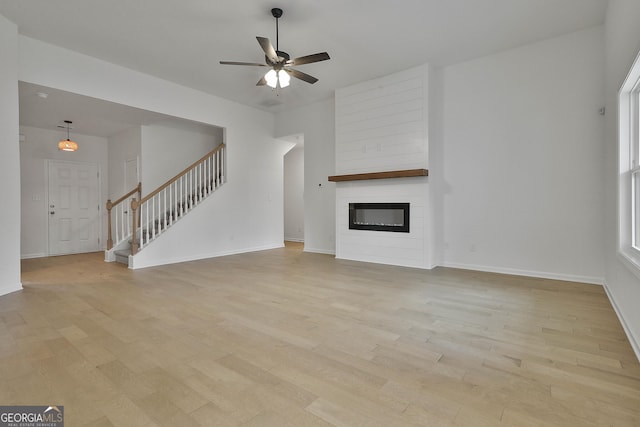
169,202
121,222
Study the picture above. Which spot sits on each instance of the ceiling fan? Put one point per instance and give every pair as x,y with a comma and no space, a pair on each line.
280,62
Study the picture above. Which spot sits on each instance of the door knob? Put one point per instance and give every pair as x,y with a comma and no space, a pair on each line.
52,212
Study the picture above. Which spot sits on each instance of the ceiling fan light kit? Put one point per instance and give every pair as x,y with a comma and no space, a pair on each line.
280,62
277,78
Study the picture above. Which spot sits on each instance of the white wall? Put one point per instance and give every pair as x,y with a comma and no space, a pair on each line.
169,147
382,124
622,44
435,209
9,160
123,146
523,148
38,146
317,123
246,214
294,194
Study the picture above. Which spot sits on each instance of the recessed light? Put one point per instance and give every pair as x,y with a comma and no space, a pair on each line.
42,95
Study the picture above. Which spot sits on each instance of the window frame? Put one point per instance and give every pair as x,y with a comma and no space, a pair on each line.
629,170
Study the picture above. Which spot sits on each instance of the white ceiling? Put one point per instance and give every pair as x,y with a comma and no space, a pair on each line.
183,41
47,108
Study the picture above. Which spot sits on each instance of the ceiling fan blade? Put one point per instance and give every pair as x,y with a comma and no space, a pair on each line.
253,64
261,82
300,75
316,57
268,49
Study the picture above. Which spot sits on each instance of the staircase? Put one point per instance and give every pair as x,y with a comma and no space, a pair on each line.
137,222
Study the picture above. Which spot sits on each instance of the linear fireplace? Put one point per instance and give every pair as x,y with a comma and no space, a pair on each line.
379,217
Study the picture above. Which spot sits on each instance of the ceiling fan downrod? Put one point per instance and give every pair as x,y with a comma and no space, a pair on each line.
277,13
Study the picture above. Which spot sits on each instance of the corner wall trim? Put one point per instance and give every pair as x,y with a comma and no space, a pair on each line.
632,340
9,289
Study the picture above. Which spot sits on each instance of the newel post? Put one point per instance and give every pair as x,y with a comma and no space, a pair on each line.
139,198
109,237
134,234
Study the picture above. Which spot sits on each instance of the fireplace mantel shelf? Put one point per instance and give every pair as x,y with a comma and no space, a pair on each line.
407,173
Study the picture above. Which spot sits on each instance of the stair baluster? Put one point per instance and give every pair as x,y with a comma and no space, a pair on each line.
118,225
145,218
171,201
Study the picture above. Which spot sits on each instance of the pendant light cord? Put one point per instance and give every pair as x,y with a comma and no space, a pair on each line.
68,122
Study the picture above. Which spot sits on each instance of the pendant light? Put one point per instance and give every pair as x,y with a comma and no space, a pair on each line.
67,144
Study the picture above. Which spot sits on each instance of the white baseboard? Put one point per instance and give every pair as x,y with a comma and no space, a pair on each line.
528,273
30,256
319,251
293,239
4,290
632,339
156,262
383,262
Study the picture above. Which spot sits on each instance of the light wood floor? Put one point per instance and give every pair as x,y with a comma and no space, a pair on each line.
286,338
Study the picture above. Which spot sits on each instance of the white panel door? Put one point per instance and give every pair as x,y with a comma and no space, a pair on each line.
131,174
74,212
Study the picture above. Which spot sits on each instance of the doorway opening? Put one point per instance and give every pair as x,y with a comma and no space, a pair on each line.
294,190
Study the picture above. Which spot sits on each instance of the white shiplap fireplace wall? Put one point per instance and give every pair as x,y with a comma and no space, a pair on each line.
382,125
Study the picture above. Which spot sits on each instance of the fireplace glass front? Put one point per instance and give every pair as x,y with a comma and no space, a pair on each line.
379,216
